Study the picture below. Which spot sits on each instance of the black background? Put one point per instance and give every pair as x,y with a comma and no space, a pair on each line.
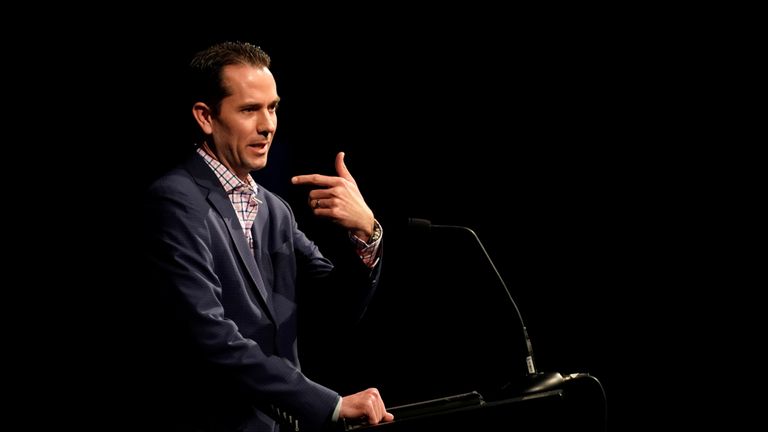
535,136
534,148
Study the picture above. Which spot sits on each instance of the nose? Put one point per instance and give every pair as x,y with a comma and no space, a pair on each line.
266,123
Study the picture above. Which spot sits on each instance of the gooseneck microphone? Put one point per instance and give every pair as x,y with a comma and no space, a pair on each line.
535,381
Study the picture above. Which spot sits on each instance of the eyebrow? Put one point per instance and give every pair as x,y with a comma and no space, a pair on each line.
259,105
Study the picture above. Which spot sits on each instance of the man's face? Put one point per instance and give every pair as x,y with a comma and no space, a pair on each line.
246,124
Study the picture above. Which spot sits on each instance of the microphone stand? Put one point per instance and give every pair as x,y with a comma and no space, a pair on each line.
534,380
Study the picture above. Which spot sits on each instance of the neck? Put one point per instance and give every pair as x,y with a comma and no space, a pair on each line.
207,149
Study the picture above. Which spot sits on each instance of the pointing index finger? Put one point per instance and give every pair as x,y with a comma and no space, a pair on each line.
314,179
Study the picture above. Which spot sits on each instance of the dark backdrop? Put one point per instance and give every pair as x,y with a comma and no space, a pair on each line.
536,141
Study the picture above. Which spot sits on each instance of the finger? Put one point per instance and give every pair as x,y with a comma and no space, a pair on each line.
380,412
323,212
315,179
320,194
341,168
322,203
373,416
388,417
378,405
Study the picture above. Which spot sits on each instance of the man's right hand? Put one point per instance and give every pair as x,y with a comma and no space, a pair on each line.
367,403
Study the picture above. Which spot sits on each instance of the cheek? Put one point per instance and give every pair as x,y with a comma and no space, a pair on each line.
243,131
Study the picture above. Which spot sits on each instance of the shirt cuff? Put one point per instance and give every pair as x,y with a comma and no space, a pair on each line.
337,411
369,252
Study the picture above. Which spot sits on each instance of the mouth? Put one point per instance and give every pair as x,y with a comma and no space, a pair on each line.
260,148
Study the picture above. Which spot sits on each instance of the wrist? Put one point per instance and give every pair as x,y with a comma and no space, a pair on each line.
375,232
370,235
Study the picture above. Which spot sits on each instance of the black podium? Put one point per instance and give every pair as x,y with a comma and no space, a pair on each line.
481,416
573,407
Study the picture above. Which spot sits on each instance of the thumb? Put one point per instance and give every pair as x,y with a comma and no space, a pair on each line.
341,168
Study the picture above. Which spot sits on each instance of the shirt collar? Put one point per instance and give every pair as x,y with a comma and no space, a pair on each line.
228,179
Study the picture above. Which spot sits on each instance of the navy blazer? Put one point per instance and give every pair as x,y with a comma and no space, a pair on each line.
236,361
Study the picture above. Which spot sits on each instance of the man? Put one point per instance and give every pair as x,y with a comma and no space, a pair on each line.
230,252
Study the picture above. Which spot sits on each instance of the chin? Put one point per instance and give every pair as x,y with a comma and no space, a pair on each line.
259,164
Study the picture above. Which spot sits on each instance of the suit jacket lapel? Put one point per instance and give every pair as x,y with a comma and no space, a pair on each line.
259,225
219,200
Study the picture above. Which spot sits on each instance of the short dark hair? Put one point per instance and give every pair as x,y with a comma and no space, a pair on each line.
205,81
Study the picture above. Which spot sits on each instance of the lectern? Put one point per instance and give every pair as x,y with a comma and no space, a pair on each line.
571,407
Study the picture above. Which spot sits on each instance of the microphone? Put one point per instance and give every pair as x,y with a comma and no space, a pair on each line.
535,381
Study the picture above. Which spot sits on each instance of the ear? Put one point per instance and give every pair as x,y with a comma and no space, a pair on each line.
202,115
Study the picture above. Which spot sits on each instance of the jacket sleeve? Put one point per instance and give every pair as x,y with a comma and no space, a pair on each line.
344,288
